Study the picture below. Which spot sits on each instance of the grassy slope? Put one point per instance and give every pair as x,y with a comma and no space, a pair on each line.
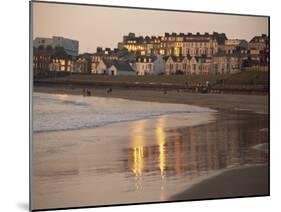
242,78
248,78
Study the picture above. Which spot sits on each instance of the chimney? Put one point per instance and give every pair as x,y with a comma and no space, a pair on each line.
131,35
99,49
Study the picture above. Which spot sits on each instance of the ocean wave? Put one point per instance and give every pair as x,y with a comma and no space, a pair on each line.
67,112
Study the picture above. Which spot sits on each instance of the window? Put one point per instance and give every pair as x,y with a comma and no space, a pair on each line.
216,67
197,51
62,62
194,67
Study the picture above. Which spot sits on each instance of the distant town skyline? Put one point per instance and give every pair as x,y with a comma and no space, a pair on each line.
105,26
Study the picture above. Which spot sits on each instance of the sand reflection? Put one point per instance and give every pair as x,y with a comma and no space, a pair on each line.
153,161
144,153
160,138
169,154
138,147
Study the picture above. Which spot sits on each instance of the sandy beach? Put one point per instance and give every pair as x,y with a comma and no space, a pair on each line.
256,103
246,181
161,158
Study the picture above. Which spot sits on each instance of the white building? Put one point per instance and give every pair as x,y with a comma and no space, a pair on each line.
70,46
101,67
112,67
188,65
121,68
149,65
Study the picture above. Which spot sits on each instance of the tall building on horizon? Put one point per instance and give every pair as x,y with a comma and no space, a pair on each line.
70,46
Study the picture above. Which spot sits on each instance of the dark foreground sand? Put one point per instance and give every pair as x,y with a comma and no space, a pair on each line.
247,181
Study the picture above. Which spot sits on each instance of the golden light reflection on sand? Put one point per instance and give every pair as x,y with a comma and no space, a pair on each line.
138,144
139,148
138,160
138,151
160,138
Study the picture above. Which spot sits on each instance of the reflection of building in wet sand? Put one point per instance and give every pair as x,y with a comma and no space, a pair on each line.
195,151
138,143
138,160
160,138
141,155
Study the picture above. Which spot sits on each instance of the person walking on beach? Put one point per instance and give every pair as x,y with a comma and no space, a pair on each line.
88,92
109,90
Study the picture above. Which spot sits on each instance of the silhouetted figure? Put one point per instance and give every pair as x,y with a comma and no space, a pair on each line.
109,90
86,92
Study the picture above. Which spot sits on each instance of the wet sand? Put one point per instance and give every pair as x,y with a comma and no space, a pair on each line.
156,159
246,181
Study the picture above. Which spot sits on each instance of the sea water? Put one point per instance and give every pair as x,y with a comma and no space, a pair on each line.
55,112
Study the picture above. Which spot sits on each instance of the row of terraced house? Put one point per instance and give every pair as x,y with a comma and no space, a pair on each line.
168,54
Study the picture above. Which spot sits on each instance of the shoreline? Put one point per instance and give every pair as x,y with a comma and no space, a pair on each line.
181,114
140,111
221,102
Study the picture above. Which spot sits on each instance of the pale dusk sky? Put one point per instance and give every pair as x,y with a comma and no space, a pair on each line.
103,26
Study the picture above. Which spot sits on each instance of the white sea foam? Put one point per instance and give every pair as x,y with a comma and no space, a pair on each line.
66,112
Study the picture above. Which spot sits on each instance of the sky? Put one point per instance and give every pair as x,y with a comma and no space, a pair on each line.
104,27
